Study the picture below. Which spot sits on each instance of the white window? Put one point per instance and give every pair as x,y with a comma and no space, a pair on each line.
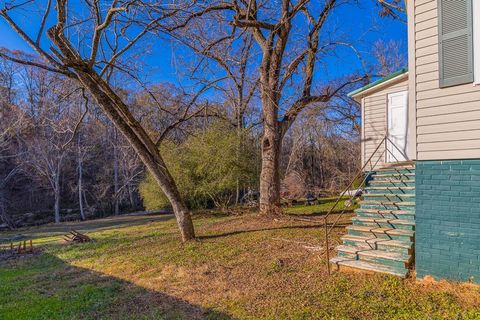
476,40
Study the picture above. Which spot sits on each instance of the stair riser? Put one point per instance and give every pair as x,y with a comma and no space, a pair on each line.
404,251
384,225
374,183
360,245
393,178
395,171
380,235
386,216
392,197
398,206
391,191
347,255
379,246
398,265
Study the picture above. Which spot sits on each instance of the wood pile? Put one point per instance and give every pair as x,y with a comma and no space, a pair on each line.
75,236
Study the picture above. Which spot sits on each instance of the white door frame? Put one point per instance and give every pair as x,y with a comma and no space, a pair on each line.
394,153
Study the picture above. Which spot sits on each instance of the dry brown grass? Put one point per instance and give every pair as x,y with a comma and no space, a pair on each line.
242,266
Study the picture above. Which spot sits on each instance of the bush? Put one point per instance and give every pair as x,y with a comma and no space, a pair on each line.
206,168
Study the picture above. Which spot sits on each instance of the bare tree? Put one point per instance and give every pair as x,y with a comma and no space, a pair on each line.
295,38
231,56
87,49
389,56
290,53
11,122
51,129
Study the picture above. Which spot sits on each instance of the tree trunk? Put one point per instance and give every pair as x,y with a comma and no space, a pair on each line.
115,173
240,125
131,196
56,192
80,180
80,190
270,174
4,216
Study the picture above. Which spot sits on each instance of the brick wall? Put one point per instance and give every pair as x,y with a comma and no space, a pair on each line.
447,243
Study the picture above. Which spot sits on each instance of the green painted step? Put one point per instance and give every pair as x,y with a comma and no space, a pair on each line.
359,253
387,205
393,176
367,266
390,190
401,171
392,182
385,214
378,244
389,197
384,233
384,223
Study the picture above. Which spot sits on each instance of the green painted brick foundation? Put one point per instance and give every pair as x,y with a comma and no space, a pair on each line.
447,243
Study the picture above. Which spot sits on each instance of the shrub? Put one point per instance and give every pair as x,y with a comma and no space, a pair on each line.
206,168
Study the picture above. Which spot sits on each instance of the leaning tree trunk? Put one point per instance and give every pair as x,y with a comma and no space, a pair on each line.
270,174
118,112
145,148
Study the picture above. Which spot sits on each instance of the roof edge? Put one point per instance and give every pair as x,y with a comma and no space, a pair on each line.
379,82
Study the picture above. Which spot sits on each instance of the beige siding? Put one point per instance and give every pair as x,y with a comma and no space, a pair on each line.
374,108
448,119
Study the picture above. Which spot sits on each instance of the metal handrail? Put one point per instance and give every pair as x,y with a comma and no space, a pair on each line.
362,184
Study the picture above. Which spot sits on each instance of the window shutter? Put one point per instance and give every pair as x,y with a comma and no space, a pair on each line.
455,42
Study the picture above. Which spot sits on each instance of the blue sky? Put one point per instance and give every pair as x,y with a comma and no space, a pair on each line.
363,25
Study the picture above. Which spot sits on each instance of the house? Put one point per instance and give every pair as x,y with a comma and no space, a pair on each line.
421,140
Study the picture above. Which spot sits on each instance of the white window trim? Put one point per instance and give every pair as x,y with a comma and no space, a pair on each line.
476,41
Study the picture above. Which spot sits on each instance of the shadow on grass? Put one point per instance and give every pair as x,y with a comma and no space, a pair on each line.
45,287
237,232
321,213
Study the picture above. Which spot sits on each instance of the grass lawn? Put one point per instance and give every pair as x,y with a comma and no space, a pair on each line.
242,267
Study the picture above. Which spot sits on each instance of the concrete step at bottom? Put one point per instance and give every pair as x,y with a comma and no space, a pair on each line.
346,264
386,258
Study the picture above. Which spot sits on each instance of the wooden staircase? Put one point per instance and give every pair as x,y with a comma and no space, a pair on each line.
381,237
